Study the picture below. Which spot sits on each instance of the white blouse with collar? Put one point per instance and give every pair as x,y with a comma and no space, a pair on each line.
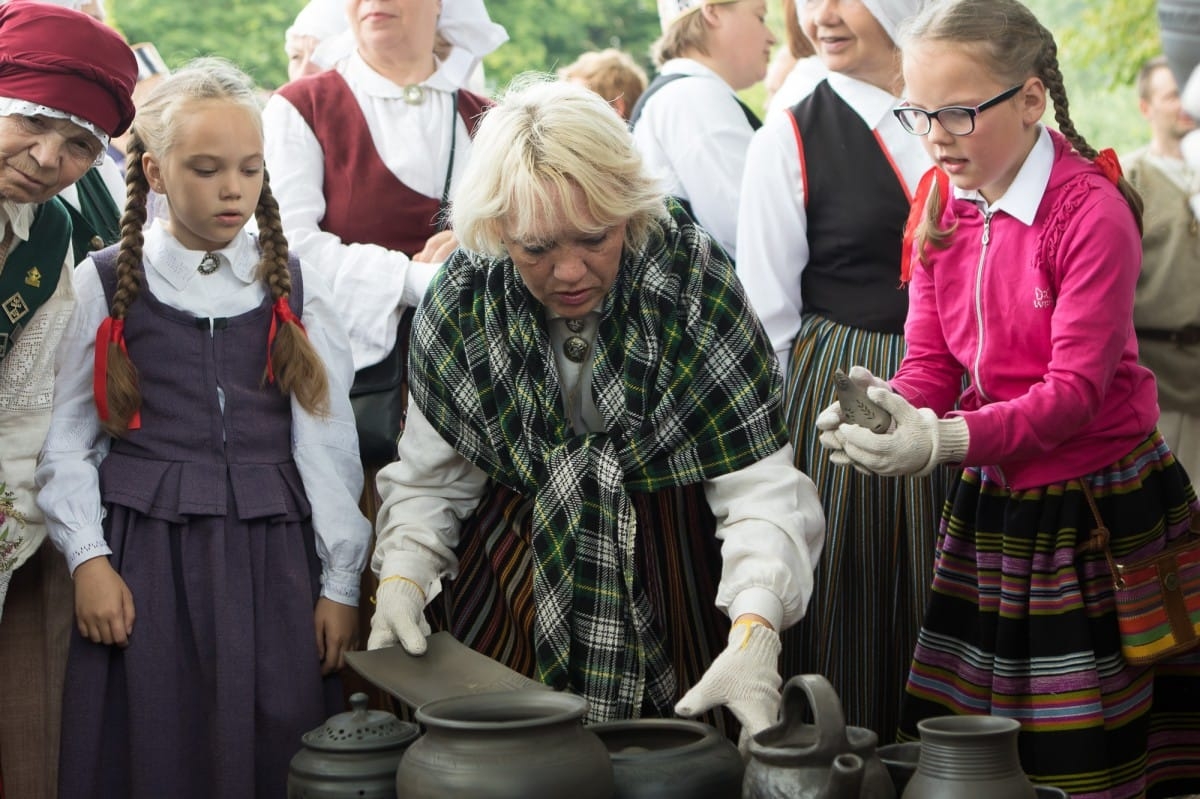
372,285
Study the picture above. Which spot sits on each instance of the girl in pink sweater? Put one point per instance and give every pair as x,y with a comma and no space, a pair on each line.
1025,251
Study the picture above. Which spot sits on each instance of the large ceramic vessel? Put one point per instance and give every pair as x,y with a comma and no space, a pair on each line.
969,756
671,759
796,760
525,744
1179,26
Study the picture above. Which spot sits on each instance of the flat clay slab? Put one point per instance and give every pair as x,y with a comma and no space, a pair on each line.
448,668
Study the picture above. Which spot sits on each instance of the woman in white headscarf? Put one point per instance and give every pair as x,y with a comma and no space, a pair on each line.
689,125
826,193
317,22
363,155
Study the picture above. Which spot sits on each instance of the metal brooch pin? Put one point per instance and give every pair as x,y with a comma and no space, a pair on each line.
208,264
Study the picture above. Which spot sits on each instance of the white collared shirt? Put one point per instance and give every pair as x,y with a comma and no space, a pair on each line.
372,285
325,448
693,136
772,221
1024,194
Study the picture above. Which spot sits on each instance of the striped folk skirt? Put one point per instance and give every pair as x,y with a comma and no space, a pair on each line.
873,577
489,606
1021,624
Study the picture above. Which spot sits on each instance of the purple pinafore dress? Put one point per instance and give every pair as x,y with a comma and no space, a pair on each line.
210,528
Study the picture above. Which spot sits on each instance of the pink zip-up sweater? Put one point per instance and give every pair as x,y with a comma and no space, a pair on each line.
1041,319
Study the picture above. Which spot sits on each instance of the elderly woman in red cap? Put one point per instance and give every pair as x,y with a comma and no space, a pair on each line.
65,86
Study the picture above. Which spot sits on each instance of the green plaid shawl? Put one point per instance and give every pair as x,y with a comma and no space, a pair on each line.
688,389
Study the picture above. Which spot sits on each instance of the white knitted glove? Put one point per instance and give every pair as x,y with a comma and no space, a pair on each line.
744,678
831,419
917,443
399,616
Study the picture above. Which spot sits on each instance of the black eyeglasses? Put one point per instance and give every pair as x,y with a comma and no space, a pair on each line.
957,120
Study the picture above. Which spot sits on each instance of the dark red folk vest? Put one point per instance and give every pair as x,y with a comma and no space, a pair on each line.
364,202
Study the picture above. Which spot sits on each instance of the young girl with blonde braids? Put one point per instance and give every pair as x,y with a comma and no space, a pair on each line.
1023,271
201,474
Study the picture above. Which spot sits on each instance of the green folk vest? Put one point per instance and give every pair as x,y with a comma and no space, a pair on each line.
32,271
97,222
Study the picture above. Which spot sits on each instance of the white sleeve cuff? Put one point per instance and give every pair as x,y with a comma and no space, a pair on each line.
420,275
341,585
760,602
93,546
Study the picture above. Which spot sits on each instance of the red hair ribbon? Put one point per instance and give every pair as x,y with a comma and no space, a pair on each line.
281,314
908,257
111,331
1106,159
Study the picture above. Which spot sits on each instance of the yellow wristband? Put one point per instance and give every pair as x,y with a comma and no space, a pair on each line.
398,577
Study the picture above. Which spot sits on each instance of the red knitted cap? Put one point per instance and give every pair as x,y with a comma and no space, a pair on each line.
67,61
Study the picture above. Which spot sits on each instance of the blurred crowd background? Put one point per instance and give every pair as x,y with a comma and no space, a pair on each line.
1102,44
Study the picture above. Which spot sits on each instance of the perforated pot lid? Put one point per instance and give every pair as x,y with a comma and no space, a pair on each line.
360,730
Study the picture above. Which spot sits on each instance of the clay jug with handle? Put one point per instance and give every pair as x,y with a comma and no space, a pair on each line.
797,760
972,756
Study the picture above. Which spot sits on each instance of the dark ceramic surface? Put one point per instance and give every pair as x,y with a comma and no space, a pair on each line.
901,762
671,759
449,668
519,744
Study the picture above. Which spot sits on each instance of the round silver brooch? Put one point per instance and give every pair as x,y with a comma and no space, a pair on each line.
414,94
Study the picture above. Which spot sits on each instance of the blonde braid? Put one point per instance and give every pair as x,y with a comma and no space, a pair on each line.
122,391
299,370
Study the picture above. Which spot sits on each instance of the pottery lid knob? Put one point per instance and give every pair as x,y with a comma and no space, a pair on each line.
360,730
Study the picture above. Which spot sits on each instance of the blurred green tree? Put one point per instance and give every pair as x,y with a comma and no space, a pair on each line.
248,33
543,34
1110,41
547,34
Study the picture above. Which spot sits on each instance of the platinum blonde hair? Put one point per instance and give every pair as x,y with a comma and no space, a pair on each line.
541,140
208,78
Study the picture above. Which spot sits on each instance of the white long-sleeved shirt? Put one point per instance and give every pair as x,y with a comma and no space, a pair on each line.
371,284
325,449
772,222
693,137
769,518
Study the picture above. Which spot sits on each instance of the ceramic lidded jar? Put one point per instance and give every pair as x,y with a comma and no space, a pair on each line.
973,756
796,760
671,759
523,744
354,755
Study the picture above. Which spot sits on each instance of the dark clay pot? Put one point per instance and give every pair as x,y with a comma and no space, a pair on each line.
352,756
973,756
525,744
901,762
671,759
795,760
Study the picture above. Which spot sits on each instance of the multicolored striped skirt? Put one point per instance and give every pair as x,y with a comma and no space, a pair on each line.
1022,624
873,577
489,606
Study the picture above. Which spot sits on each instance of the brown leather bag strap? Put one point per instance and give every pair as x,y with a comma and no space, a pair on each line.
1098,540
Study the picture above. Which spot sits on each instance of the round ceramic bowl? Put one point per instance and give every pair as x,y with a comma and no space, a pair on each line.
901,762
